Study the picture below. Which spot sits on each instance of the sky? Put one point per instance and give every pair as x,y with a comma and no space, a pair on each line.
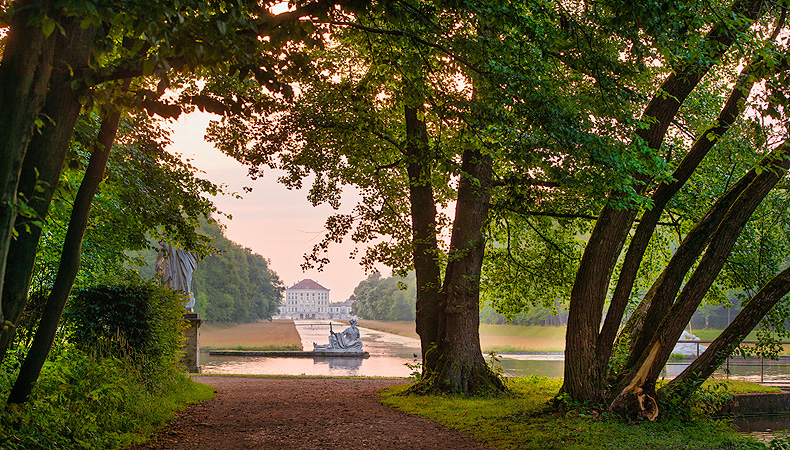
279,224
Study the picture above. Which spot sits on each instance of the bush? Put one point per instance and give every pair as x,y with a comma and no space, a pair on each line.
143,321
83,401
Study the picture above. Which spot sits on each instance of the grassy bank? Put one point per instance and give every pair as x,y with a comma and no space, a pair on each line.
84,403
499,338
263,335
518,422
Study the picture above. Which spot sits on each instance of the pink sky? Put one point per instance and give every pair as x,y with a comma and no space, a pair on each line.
278,224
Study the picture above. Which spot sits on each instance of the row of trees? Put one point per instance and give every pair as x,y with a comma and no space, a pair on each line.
234,284
230,283
614,152
73,75
391,298
620,153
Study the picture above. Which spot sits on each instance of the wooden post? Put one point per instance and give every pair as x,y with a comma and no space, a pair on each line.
191,358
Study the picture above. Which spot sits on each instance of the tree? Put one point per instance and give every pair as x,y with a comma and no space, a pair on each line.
234,284
419,108
668,305
393,298
132,40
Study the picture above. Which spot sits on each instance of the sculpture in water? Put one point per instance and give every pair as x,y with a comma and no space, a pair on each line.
347,341
175,267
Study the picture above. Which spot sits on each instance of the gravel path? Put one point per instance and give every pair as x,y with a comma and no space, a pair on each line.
286,414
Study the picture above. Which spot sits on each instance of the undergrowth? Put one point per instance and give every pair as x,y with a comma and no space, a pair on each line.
522,420
82,401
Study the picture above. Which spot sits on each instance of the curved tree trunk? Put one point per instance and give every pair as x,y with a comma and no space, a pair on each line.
69,263
644,369
585,362
647,225
42,167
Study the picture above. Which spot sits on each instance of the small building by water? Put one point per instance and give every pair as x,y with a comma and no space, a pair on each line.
307,299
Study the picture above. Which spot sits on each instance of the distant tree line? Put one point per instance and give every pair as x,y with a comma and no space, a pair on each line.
232,284
536,315
392,298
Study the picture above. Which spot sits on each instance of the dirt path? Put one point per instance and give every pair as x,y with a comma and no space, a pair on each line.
290,414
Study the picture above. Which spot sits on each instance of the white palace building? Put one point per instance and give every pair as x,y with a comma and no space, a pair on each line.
309,300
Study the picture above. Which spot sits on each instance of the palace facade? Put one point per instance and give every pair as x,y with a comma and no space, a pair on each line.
309,300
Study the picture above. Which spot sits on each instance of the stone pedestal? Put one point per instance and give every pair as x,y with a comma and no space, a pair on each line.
191,358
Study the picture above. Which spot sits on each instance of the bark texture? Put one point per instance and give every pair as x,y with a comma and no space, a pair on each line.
461,367
69,263
24,74
42,167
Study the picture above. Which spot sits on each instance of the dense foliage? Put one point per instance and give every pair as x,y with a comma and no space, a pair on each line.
233,284
112,378
391,298
143,321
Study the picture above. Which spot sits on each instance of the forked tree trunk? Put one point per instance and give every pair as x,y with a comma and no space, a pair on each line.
649,220
642,373
42,167
69,263
586,353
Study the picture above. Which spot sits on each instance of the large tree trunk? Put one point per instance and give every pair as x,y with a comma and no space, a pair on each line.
585,363
647,225
731,110
732,336
461,367
24,74
42,167
69,262
645,366
425,248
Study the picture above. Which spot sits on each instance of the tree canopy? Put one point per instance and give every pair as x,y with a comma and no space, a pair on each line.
391,298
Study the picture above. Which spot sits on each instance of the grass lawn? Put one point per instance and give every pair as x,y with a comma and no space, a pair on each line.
263,335
500,338
519,422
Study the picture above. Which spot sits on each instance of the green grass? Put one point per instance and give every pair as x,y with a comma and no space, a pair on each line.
742,387
156,412
518,421
262,348
706,334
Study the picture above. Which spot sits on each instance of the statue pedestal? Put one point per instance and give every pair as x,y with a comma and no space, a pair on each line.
191,358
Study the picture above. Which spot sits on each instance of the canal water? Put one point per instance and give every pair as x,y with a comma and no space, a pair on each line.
390,354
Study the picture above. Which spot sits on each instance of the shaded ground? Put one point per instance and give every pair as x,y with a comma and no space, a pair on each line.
323,413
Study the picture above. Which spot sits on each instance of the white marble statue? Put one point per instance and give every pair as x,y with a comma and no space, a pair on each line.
346,341
689,349
175,267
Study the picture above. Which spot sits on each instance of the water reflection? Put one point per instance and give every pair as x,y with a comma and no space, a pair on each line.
390,353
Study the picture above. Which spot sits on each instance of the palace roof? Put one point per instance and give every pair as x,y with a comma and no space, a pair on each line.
308,284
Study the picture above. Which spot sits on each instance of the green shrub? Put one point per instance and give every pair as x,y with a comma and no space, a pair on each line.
83,401
143,321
